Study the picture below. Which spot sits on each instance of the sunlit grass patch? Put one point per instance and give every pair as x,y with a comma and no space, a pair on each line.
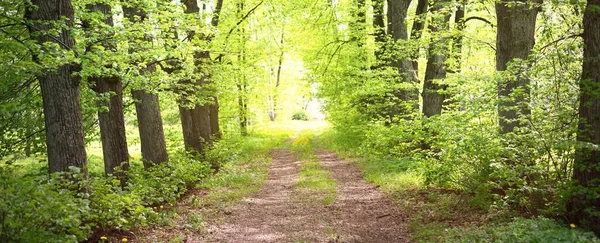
390,174
315,183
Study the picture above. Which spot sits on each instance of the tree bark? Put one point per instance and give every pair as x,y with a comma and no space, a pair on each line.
112,122
214,119
459,22
514,40
195,118
358,26
243,107
433,97
60,90
152,136
397,12
378,23
214,106
112,126
417,28
273,114
147,105
586,170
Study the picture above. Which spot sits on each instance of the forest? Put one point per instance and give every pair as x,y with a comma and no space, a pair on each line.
299,121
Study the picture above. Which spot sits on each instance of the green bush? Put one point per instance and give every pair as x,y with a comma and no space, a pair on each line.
35,207
522,230
38,208
300,116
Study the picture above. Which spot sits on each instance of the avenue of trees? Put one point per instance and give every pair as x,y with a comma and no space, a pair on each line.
155,85
498,99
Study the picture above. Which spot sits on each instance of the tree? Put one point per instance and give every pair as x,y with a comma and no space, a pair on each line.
408,92
417,28
195,117
379,27
275,97
515,39
214,106
583,204
433,96
109,89
60,88
147,106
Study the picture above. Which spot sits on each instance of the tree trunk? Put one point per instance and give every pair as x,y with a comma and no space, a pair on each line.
358,26
379,29
191,137
459,22
243,107
397,11
214,107
278,77
152,137
112,126
214,119
514,40
417,29
112,122
433,97
586,170
195,118
60,90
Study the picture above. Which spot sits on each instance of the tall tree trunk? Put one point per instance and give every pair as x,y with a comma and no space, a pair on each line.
60,90
152,136
275,100
459,23
214,106
586,170
379,29
243,106
433,97
195,118
397,12
358,26
417,29
147,105
242,83
112,122
514,40
214,118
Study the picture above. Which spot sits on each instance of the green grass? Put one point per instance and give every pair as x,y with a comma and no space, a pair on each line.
241,177
314,183
447,215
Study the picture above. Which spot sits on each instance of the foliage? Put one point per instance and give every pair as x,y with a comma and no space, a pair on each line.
38,208
300,116
522,230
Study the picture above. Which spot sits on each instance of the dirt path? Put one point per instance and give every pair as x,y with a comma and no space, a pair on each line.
363,213
360,214
273,215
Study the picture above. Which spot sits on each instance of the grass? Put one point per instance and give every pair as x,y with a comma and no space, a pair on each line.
241,177
314,183
446,215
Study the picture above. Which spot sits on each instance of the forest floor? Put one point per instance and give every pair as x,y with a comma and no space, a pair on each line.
306,197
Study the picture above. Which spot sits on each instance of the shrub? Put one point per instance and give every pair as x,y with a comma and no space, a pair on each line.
300,116
523,230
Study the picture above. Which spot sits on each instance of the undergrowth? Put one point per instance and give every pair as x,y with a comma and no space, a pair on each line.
36,207
443,213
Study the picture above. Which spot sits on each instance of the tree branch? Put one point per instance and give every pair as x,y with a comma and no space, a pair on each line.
480,19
